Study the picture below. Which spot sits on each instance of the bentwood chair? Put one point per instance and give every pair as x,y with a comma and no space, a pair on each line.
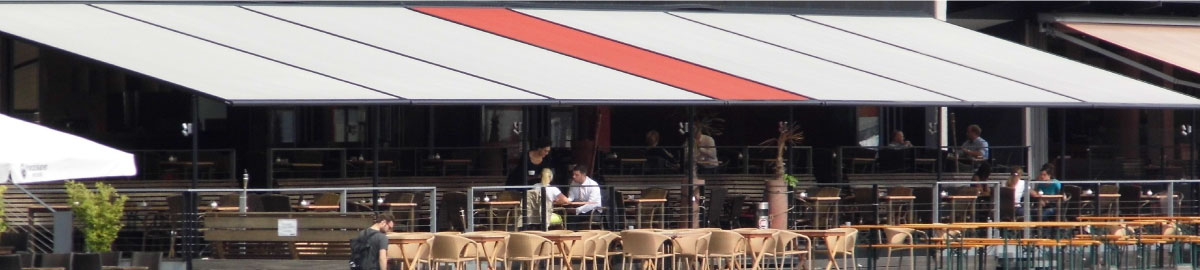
728,246
899,236
648,247
787,244
528,249
689,250
454,250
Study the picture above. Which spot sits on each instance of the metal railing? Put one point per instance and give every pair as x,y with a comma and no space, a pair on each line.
159,219
359,162
1133,162
830,205
621,207
924,159
640,160
170,164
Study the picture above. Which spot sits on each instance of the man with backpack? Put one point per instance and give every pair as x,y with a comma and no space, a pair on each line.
368,251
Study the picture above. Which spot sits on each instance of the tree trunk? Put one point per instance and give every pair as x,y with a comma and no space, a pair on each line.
777,198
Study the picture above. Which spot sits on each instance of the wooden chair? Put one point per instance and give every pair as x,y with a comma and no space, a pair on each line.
648,247
453,249
787,244
899,236
728,246
528,249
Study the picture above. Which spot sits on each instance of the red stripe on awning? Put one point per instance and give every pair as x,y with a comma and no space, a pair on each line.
612,54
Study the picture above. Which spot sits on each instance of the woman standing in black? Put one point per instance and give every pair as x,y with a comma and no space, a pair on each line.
536,159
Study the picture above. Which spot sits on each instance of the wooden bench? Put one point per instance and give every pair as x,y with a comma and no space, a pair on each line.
256,235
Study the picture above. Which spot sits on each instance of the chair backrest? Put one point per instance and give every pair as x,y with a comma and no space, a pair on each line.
85,261
111,258
716,205
528,245
692,244
643,242
1131,196
900,191
845,242
1008,208
254,203
10,262
923,204
450,212
446,246
26,258
55,260
276,203
829,192
398,197
584,246
735,206
230,199
654,193
151,260
726,243
898,236
784,240
509,195
967,191
19,241
327,199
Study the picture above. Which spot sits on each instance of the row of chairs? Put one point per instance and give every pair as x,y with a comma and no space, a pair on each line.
691,249
78,261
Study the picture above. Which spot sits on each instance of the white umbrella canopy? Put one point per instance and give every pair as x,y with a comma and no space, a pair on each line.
31,153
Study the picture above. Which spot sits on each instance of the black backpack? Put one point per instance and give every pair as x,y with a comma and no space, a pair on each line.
359,248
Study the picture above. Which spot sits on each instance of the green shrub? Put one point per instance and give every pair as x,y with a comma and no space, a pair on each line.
3,223
99,213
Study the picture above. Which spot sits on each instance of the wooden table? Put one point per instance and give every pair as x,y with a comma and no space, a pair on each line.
491,206
824,234
403,239
760,235
124,268
818,215
316,208
1045,199
902,201
412,212
41,268
484,238
662,203
561,240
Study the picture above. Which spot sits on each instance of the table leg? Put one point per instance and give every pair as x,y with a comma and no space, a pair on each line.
639,214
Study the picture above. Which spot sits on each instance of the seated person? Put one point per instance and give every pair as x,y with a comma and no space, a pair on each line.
1018,185
584,189
1046,185
658,159
898,140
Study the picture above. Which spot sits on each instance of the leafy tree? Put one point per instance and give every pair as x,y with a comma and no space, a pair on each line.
3,223
100,213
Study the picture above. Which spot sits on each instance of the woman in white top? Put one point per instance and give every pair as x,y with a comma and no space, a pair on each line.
1018,185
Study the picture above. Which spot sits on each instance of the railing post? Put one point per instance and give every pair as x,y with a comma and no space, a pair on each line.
1171,199
342,162
937,203
270,167
342,202
469,222
433,199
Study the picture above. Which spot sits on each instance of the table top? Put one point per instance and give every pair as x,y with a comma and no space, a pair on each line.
484,236
1048,197
574,203
633,160
399,204
899,197
125,268
818,233
962,197
498,203
41,268
316,207
938,226
1113,195
1140,218
646,200
306,164
558,237
824,198
186,163
449,160
756,233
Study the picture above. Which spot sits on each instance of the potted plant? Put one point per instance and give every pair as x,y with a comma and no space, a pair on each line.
99,213
777,185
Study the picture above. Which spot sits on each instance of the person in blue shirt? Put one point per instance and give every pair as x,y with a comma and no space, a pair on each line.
1045,184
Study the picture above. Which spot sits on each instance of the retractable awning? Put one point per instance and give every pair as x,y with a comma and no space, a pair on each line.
1172,43
320,54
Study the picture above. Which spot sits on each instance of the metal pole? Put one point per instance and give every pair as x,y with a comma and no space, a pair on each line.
690,158
192,215
375,159
433,209
194,132
470,222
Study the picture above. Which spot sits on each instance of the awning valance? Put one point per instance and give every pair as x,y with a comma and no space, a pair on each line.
321,54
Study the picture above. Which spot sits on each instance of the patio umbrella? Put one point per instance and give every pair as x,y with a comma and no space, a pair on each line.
31,153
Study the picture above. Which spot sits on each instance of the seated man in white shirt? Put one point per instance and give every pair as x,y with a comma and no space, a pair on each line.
584,189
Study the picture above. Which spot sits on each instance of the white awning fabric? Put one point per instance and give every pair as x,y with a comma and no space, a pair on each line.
323,54
34,153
